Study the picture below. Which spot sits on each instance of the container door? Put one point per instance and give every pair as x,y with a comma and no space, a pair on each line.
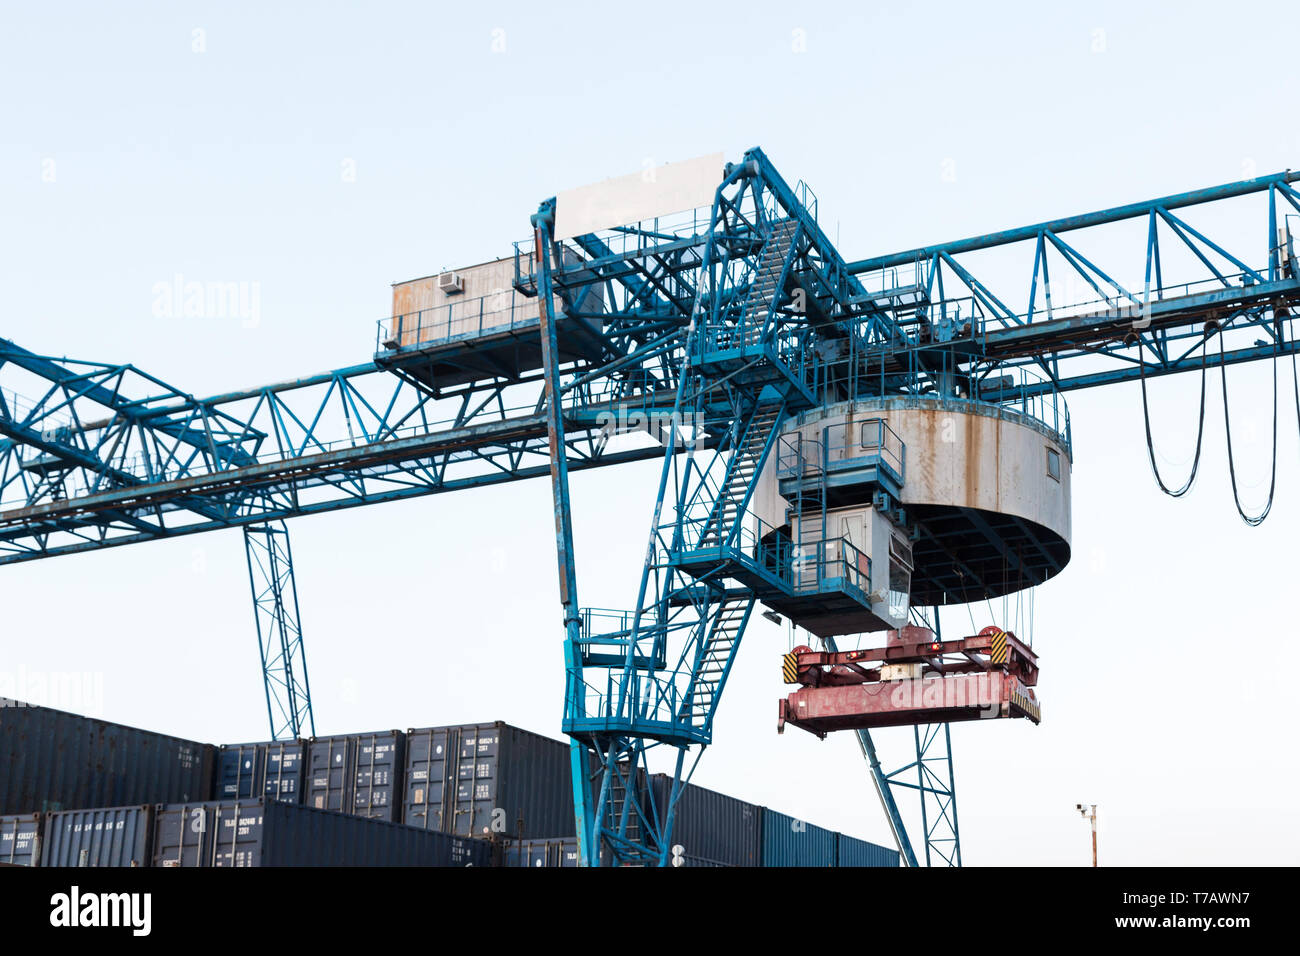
331,772
237,835
427,789
183,836
477,813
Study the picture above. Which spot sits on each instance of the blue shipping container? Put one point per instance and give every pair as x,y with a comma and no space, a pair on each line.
711,826
360,774
273,833
850,851
113,836
788,841
273,769
487,779
558,852
20,839
51,760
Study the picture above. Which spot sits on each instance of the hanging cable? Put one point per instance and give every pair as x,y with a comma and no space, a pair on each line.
1227,424
1200,425
1295,378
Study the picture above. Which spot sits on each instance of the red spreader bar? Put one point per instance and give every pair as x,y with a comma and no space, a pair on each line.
913,679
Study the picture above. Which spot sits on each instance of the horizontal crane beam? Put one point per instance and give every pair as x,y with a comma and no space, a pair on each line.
1069,223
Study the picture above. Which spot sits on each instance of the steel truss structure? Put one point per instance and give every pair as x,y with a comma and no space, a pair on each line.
719,327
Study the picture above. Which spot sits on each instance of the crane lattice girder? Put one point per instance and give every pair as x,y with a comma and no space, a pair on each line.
279,630
106,455
352,437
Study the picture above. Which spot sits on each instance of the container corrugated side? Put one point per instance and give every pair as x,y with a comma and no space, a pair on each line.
273,769
360,774
710,825
487,779
272,833
850,851
52,760
788,841
20,839
111,836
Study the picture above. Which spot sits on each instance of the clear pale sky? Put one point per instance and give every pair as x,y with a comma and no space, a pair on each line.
324,150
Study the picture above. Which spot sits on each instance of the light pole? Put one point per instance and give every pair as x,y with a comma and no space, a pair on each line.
1089,813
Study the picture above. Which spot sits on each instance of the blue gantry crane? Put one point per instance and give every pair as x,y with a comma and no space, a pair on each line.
808,412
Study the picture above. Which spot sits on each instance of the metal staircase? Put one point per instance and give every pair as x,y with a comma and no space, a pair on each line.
729,505
616,804
763,295
716,655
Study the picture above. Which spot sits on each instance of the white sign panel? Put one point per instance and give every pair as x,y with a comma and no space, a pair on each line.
658,191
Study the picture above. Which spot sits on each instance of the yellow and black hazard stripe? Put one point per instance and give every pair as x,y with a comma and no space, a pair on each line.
998,652
790,668
1026,706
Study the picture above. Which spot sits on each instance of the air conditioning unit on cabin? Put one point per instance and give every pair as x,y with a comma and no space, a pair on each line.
450,283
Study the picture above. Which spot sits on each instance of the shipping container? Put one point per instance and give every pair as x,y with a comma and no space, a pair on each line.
113,836
51,760
850,851
359,774
487,780
20,839
712,826
273,769
274,833
791,842
560,851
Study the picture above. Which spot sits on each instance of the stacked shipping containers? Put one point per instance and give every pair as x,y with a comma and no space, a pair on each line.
482,780
358,774
51,760
273,833
487,780
273,769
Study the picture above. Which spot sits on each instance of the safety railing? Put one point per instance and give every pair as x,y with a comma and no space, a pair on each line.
747,336
861,443
690,227
498,311
601,621
807,198
611,696
1023,390
864,442
799,457
831,564
824,564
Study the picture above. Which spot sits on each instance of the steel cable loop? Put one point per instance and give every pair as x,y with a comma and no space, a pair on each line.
1227,424
1295,378
1200,427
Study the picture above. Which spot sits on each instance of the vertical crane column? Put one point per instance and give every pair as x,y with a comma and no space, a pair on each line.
575,698
882,782
279,630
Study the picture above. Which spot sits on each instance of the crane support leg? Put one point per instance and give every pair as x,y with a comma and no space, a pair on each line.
881,781
935,786
938,792
559,465
279,630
